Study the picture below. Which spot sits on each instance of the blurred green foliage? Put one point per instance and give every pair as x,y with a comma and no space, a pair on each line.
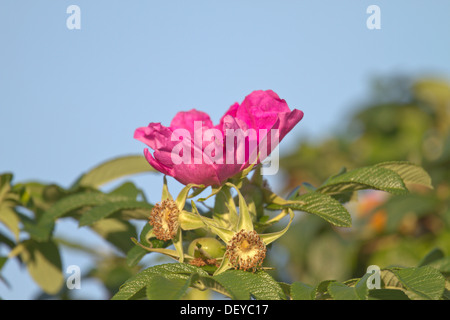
402,120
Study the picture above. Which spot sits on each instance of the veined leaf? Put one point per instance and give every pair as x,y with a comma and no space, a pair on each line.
114,169
424,283
135,287
377,178
161,288
243,285
107,209
322,205
409,172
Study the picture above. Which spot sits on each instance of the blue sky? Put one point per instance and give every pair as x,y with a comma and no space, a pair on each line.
70,99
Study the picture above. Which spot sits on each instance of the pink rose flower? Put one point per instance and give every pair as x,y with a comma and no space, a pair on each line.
193,150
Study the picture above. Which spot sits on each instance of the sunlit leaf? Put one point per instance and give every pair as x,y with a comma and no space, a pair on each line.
44,264
321,205
376,178
114,169
424,283
243,285
409,172
135,287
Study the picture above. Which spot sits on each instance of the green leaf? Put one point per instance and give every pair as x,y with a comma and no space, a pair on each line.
424,283
66,205
44,264
107,209
9,218
2,262
243,285
359,291
5,185
135,287
409,172
387,294
161,288
324,206
146,239
302,291
114,169
129,190
135,255
376,178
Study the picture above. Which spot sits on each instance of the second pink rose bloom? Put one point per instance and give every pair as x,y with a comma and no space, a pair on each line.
207,157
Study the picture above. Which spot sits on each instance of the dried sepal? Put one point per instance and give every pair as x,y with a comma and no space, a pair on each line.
246,250
164,219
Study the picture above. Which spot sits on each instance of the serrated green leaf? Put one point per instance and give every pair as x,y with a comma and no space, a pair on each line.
389,279
377,178
135,287
323,206
114,169
409,172
243,285
424,283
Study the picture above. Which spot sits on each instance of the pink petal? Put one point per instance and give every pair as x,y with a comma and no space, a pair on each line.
187,119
